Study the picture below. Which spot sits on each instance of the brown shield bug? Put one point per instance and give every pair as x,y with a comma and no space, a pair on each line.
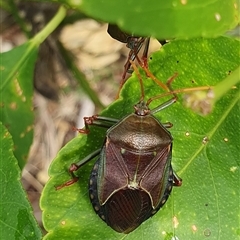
133,176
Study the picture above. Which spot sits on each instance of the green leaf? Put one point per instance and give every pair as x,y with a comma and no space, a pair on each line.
165,19
16,110
16,88
206,154
17,221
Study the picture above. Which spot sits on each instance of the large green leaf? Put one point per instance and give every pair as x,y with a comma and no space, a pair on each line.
17,221
16,110
206,154
16,89
165,19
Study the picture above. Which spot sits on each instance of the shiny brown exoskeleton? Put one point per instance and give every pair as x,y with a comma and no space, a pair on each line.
133,176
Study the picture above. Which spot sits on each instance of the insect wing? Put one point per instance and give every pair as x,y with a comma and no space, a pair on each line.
112,172
127,209
156,176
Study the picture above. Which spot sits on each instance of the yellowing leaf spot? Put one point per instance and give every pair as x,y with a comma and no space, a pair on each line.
23,98
183,2
22,135
63,222
2,68
13,105
175,222
6,134
29,128
218,16
18,88
77,2
205,140
194,228
233,169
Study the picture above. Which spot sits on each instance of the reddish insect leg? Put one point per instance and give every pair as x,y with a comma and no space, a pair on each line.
87,121
75,166
177,181
74,179
97,121
135,47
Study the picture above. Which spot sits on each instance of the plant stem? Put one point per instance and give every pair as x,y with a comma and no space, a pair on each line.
32,45
221,88
50,27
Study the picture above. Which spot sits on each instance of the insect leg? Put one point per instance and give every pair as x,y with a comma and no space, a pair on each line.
75,166
177,181
97,121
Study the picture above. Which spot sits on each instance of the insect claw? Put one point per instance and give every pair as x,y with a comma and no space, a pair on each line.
68,183
73,167
80,130
177,181
168,125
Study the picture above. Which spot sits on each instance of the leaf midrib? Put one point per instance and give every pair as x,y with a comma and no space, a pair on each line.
211,132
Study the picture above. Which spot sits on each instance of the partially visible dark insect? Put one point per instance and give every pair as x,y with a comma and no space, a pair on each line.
134,43
133,176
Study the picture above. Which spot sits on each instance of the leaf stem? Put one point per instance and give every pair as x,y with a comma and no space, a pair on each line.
221,88
50,27
32,44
